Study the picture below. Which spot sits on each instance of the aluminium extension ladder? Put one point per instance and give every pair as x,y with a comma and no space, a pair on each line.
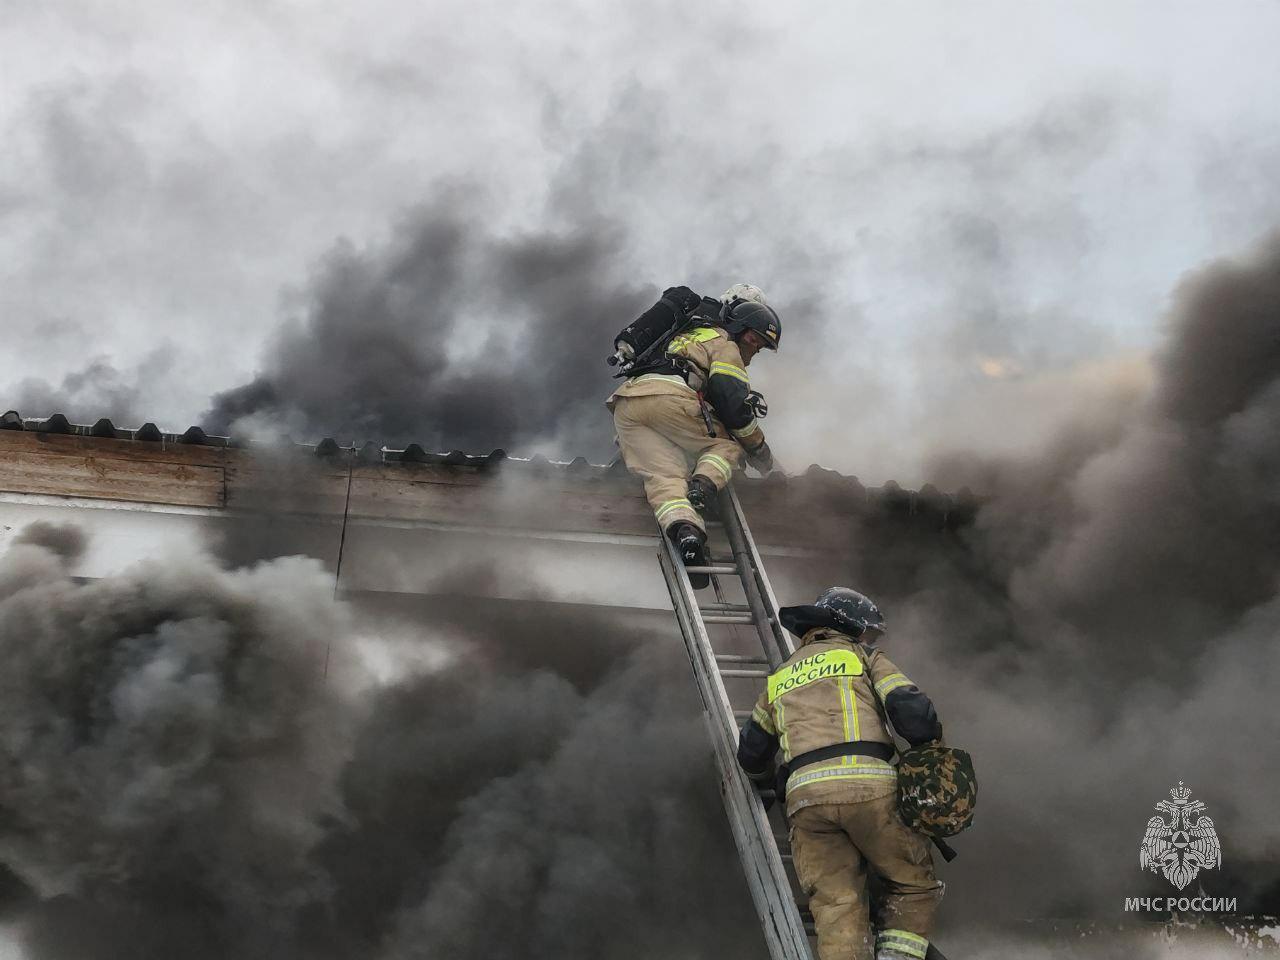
756,645
749,644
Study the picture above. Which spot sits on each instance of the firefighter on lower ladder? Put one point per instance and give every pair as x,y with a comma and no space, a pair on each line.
829,706
693,402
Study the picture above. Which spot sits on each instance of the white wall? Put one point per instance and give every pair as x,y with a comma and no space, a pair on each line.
375,558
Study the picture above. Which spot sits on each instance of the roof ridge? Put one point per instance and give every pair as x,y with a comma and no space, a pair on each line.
928,496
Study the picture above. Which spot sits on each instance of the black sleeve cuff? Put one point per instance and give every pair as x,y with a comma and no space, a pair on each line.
728,397
756,750
912,715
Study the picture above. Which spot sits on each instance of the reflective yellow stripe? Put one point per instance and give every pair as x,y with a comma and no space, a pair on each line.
892,682
784,740
904,942
746,431
720,463
671,505
853,768
828,665
907,935
844,713
849,707
762,719
729,370
665,378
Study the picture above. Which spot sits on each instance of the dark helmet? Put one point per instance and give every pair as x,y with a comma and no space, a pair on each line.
739,316
838,608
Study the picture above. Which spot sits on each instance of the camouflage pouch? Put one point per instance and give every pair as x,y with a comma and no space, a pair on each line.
937,790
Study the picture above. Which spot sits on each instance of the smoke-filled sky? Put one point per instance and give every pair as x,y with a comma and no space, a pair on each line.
178,778
1025,248
410,222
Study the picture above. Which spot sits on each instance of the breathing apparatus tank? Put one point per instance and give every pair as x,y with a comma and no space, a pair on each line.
642,342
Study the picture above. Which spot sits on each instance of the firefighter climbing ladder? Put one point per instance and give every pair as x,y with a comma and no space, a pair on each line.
763,851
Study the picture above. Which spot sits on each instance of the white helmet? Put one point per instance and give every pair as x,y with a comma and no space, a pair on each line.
744,291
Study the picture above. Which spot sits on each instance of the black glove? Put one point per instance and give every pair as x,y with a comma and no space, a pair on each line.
780,777
762,459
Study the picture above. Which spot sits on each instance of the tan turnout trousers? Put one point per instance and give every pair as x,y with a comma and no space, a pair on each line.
836,846
661,436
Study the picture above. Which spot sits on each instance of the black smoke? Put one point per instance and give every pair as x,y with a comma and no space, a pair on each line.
181,778
1104,628
1162,520
548,794
460,331
181,781
171,749
98,389
1107,624
449,335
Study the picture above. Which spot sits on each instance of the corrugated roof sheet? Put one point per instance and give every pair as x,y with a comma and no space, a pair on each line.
954,509
150,433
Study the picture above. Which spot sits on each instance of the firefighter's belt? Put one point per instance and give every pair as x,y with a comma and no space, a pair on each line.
861,748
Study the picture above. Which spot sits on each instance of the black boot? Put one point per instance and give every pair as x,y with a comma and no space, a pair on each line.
702,494
691,544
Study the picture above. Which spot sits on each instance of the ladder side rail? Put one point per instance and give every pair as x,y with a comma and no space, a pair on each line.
766,877
759,579
697,644
761,615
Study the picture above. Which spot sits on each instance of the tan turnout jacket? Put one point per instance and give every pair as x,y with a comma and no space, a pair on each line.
712,354
831,691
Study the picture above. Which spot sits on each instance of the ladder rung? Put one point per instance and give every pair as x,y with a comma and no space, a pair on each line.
756,674
739,658
728,618
724,608
713,570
